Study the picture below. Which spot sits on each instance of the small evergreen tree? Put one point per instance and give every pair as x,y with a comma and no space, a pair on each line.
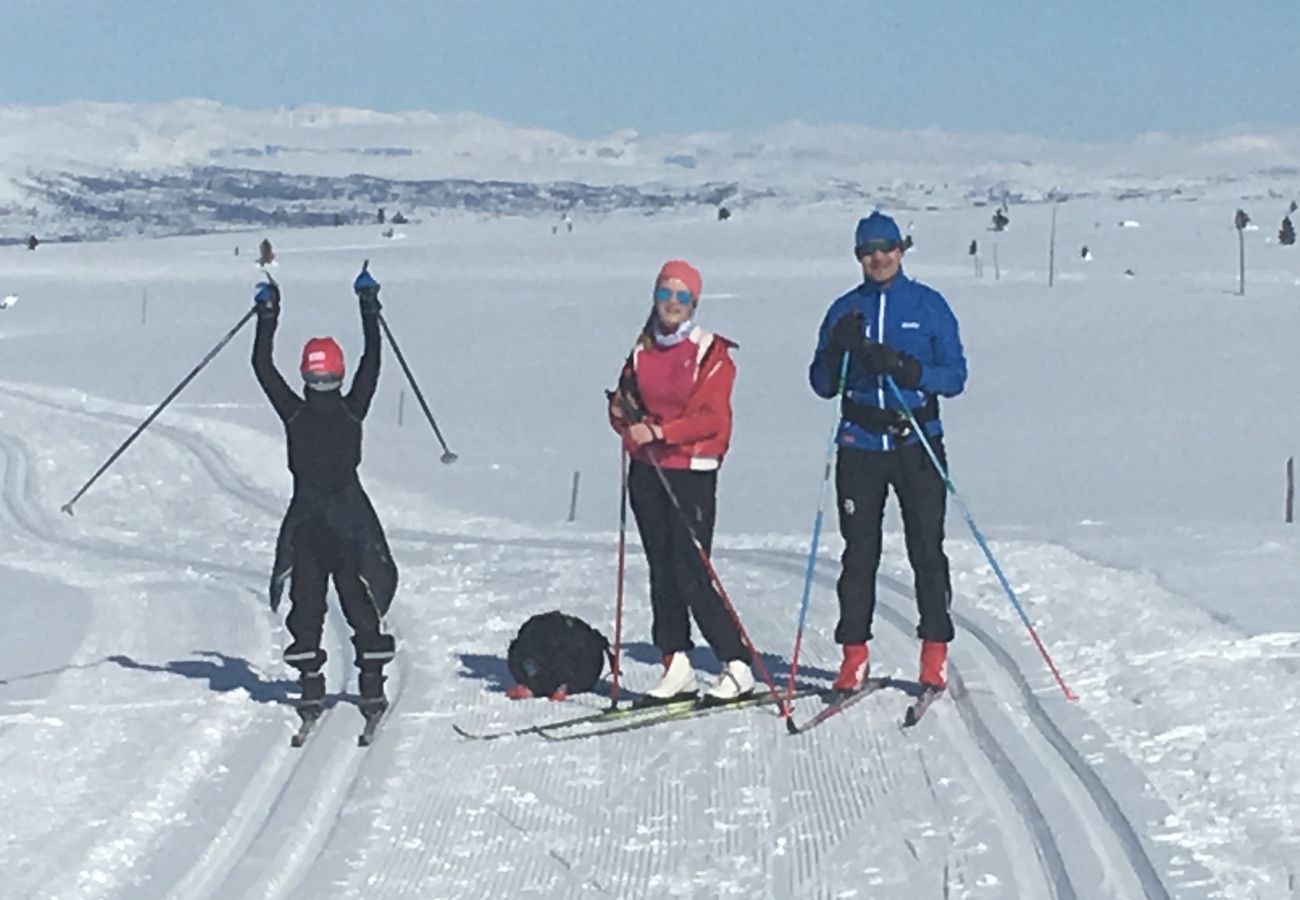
265,255
1286,235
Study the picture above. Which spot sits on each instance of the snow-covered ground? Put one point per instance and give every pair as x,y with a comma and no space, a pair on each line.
1122,443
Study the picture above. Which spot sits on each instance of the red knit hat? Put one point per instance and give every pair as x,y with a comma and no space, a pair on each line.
322,360
684,272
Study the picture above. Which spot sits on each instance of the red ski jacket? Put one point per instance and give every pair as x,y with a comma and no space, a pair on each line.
686,391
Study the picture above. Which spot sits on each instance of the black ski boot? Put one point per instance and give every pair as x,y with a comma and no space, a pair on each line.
373,705
372,692
312,685
309,704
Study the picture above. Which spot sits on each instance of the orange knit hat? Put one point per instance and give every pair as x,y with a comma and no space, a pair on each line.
683,271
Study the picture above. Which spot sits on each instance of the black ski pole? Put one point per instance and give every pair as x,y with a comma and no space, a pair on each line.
447,456
67,507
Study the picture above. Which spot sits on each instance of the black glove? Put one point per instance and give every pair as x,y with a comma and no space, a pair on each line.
628,396
848,335
267,299
881,359
367,292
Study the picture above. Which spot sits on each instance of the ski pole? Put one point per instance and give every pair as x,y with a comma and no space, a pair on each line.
615,659
67,507
447,456
979,539
714,581
812,549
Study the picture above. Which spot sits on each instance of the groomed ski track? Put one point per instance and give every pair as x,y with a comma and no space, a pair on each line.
992,795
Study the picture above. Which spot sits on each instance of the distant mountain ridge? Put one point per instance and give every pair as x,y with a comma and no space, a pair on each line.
96,170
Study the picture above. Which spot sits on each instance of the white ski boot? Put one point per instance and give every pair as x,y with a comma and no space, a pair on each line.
735,682
678,682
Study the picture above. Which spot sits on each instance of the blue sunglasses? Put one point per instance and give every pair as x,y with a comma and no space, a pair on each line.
663,295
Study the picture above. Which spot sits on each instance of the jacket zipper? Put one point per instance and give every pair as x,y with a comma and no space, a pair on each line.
880,382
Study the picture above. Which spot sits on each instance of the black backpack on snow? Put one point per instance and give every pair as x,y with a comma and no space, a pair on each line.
554,649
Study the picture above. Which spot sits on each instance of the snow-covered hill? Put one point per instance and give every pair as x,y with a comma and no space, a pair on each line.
99,170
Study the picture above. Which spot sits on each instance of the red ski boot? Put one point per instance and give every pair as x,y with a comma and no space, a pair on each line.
853,670
934,654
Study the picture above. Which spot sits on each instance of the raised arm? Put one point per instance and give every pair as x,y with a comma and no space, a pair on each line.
366,379
282,397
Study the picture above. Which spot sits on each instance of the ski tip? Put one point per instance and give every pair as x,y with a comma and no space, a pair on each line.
790,726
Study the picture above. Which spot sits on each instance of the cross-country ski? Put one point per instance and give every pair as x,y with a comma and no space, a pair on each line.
917,709
836,703
307,724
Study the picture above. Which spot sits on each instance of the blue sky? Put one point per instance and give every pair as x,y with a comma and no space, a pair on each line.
1082,70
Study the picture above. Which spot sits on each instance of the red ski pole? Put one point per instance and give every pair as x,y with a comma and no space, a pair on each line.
616,656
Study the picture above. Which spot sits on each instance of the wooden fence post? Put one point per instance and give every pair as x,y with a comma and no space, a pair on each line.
573,497
1051,252
1290,489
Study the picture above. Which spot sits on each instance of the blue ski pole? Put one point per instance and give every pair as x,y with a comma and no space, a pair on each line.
979,539
812,549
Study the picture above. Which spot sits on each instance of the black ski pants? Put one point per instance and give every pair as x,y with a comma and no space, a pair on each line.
318,557
862,482
679,584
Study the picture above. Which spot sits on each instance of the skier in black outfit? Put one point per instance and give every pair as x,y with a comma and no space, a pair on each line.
330,529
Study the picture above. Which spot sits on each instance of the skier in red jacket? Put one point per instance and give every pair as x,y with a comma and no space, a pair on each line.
673,408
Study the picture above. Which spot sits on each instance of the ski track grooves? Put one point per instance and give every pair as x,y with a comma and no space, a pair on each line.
1107,806
340,776
1068,762
254,812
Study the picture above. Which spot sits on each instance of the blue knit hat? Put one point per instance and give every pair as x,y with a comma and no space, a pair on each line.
876,227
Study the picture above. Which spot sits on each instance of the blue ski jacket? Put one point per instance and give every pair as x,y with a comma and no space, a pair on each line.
912,318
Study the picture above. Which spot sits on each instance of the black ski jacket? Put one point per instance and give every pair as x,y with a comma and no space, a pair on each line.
324,450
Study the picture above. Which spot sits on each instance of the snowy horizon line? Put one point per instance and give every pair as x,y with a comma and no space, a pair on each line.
1242,133
191,131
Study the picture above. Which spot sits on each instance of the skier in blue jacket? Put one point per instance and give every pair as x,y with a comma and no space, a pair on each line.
890,326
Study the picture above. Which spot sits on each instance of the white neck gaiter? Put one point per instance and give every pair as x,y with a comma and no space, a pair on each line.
676,336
